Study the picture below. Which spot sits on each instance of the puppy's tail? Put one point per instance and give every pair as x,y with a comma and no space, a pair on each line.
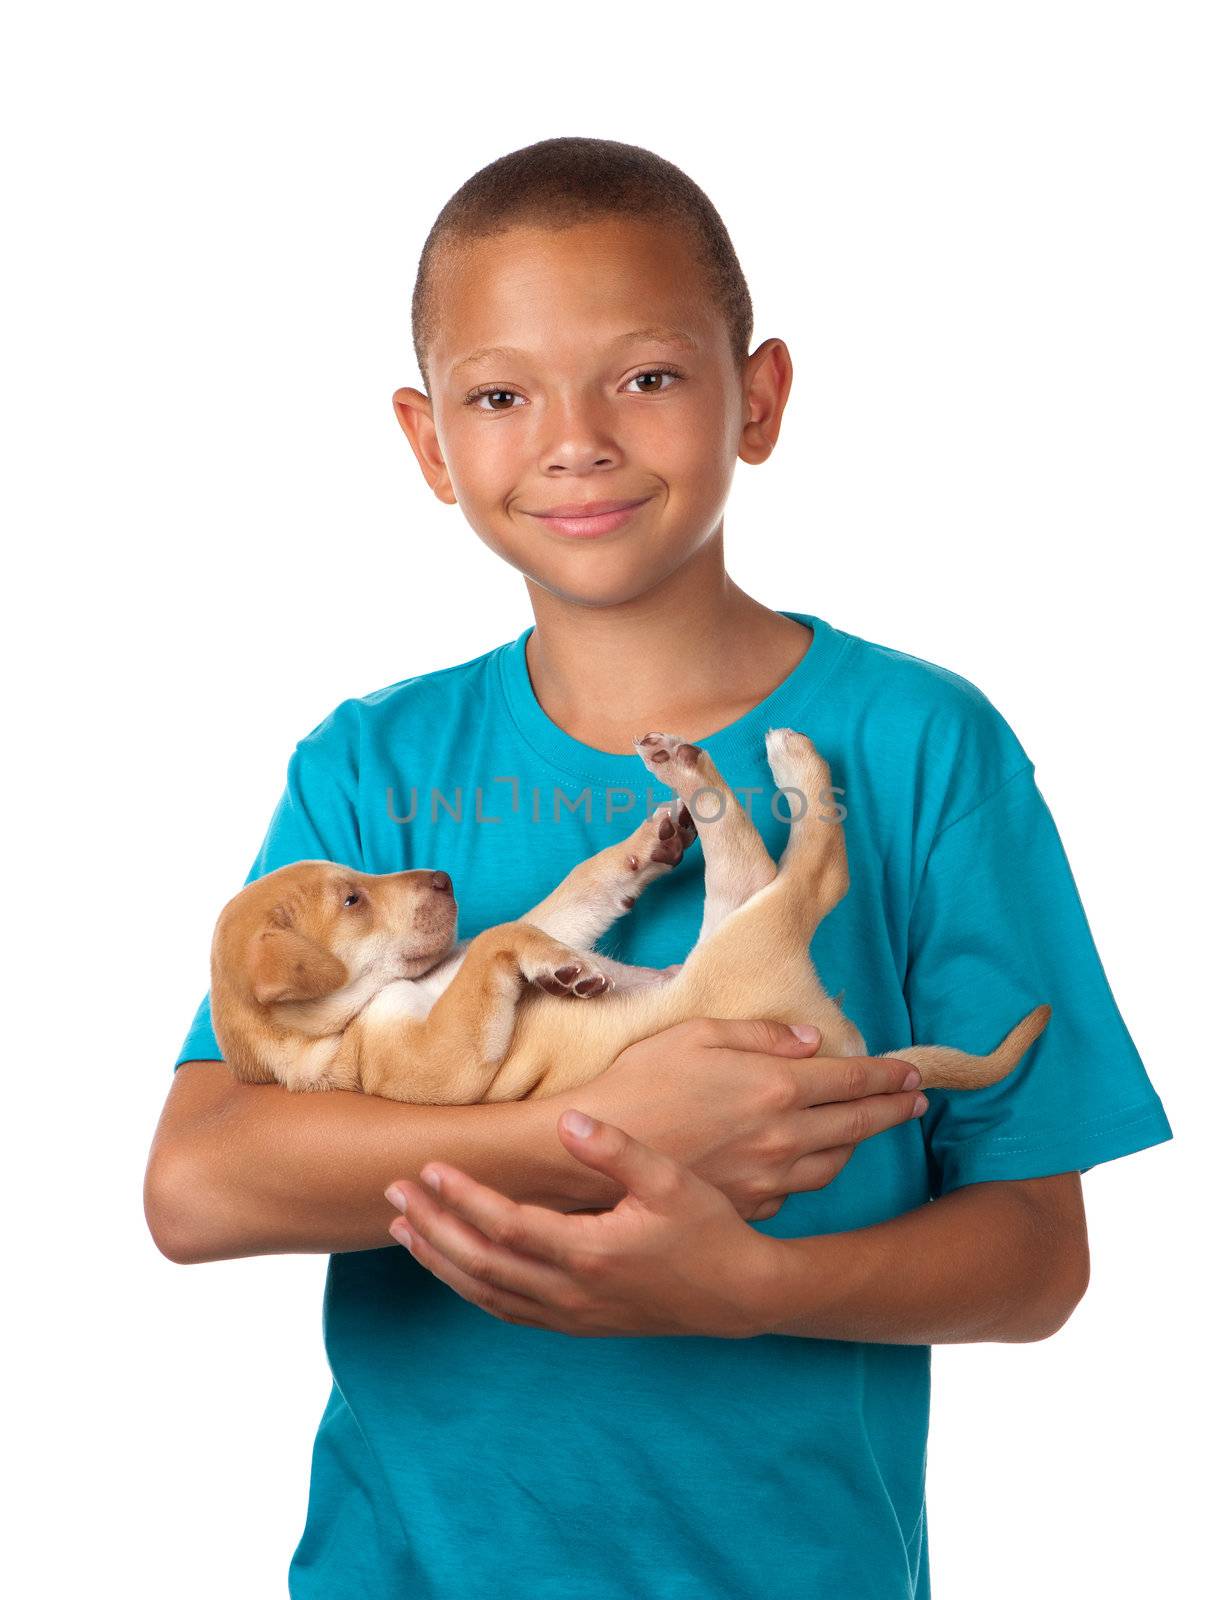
941,1067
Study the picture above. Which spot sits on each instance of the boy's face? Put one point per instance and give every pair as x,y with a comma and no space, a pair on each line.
574,411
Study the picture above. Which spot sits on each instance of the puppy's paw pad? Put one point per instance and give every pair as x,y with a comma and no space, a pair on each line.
660,750
569,976
686,828
660,841
686,768
674,834
674,822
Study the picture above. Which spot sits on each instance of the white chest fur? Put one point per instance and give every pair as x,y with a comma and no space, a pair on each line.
404,1000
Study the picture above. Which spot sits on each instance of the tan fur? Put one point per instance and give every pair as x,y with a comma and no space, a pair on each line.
377,996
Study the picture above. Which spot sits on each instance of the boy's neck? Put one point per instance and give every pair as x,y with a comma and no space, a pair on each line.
689,657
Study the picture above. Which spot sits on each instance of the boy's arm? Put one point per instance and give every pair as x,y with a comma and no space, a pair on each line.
1002,1261
240,1169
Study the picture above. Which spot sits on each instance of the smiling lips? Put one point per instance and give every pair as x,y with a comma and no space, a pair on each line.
589,519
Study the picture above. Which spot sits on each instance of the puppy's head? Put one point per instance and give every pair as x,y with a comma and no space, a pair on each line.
311,930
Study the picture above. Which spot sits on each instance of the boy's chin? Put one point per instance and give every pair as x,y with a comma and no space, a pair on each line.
596,596
605,583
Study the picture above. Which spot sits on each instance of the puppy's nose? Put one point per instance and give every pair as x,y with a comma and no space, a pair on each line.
440,880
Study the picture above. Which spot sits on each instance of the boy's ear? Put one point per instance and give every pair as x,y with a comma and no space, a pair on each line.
285,965
415,414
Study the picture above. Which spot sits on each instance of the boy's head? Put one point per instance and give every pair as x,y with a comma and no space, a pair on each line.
531,283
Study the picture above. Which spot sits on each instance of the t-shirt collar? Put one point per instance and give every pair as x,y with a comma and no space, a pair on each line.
727,747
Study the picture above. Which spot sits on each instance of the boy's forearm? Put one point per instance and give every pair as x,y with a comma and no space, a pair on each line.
279,1173
979,1263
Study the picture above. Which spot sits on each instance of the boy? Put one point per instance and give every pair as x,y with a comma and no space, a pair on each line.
582,329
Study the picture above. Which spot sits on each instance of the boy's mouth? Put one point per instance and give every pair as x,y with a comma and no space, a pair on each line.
588,519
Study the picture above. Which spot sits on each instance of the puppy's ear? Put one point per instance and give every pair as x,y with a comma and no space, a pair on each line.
284,965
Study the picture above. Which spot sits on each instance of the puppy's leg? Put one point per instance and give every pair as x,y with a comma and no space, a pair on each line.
812,875
605,886
756,961
814,860
627,977
738,864
594,894
813,878
452,1056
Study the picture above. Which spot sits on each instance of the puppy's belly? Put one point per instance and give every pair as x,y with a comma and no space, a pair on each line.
559,1043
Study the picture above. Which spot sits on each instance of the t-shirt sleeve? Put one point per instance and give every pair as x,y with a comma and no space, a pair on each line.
997,927
316,819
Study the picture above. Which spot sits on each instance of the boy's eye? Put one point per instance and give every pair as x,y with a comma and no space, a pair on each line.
479,394
495,393
656,372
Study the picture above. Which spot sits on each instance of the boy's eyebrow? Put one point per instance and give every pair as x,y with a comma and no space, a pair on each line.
658,335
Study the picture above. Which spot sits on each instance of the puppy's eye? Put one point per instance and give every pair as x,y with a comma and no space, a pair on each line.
353,899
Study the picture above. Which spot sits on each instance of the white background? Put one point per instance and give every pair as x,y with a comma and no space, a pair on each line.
991,237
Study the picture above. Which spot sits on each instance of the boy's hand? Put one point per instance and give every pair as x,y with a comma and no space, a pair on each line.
673,1257
747,1105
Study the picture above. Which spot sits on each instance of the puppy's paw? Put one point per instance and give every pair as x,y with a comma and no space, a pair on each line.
796,764
566,972
656,846
685,768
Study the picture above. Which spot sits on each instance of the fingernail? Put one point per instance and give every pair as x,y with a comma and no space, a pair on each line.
396,1196
804,1030
432,1178
921,1105
912,1078
575,1122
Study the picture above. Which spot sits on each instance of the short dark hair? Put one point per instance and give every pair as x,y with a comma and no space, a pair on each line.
560,182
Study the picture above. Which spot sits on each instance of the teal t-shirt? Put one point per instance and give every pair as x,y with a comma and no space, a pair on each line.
462,1455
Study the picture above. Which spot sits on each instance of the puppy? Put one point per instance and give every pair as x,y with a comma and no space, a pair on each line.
325,978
